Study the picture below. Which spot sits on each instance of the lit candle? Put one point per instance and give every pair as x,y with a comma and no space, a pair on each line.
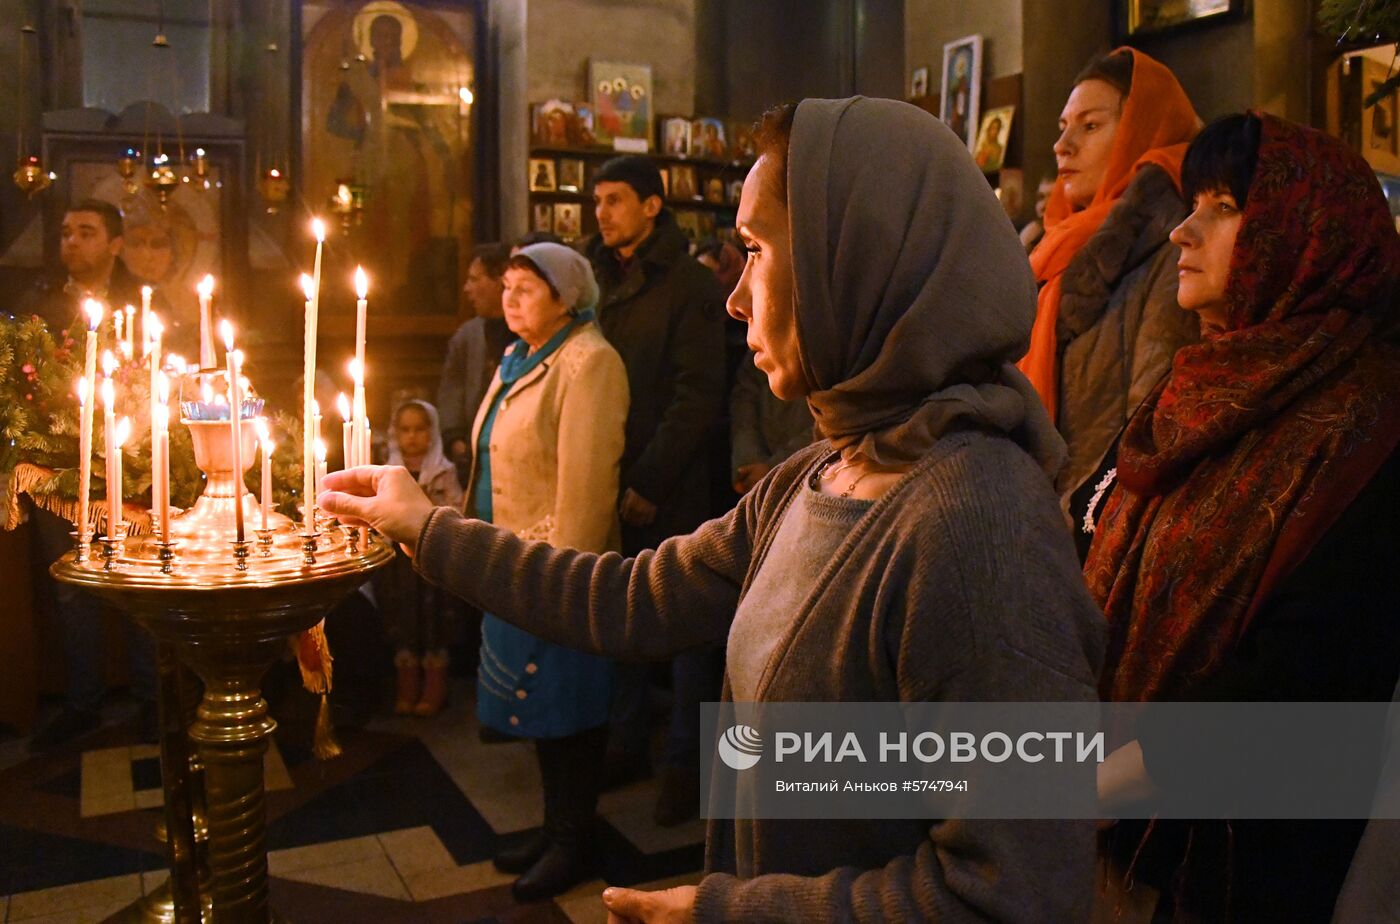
265,500
130,331
152,329
347,437
114,493
109,435
235,401
86,390
207,359
117,336
160,466
308,461
146,292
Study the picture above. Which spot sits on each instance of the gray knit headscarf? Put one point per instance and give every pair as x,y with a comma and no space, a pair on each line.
914,295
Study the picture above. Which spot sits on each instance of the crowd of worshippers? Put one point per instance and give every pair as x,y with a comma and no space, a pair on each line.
1193,383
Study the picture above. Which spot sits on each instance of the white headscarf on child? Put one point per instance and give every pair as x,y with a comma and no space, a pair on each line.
434,461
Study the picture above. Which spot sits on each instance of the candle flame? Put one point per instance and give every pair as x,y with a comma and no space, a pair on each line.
318,230
320,450
260,425
176,362
154,328
130,310
82,390
242,379
342,405
267,446
93,308
163,388
308,286
205,287
357,374
109,393
315,408
109,363
122,431
162,416
147,292
226,331
361,283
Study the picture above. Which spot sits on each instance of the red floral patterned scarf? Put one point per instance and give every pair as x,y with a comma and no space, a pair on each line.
1260,437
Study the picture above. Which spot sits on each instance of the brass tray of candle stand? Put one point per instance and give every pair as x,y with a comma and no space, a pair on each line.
228,625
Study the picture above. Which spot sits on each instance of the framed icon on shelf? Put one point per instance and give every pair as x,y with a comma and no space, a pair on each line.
571,174
568,220
542,175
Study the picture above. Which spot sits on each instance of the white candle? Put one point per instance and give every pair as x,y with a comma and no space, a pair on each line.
160,441
151,330
146,292
109,435
207,359
234,359
130,331
118,338
347,436
359,419
86,391
308,461
320,463
265,500
361,310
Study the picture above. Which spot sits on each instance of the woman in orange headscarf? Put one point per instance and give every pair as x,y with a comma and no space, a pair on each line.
1107,323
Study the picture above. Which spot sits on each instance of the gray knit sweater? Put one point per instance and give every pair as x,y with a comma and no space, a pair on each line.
961,583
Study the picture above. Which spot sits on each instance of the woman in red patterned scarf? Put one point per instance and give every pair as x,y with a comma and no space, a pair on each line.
1247,551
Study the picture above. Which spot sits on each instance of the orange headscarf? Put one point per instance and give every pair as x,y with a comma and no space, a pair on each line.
1157,123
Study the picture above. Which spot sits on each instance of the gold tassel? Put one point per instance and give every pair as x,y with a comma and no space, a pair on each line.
323,744
314,660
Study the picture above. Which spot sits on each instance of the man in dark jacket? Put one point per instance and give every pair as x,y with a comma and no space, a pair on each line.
664,313
90,241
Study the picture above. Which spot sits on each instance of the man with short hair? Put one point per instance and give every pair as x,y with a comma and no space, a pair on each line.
473,354
663,312
90,241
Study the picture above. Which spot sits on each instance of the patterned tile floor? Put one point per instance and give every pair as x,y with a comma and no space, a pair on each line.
401,827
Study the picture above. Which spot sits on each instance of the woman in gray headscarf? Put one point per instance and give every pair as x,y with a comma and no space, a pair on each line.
916,553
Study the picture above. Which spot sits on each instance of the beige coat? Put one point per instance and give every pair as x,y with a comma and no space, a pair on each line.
556,446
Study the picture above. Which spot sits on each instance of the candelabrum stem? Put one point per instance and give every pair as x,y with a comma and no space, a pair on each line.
240,554
352,541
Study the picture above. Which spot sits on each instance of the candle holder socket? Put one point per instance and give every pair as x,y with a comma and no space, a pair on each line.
240,554
165,551
111,545
308,548
264,542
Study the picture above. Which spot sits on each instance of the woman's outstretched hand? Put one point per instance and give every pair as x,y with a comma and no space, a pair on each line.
385,497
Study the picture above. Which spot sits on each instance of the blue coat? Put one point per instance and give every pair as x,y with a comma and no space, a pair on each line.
549,438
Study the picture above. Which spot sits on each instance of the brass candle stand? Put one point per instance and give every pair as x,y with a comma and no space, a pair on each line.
227,616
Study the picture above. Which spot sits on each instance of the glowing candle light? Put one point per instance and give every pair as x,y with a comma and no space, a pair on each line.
342,406
207,359
130,331
117,337
235,401
265,498
86,389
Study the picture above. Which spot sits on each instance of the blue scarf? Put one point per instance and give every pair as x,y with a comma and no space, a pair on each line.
515,365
